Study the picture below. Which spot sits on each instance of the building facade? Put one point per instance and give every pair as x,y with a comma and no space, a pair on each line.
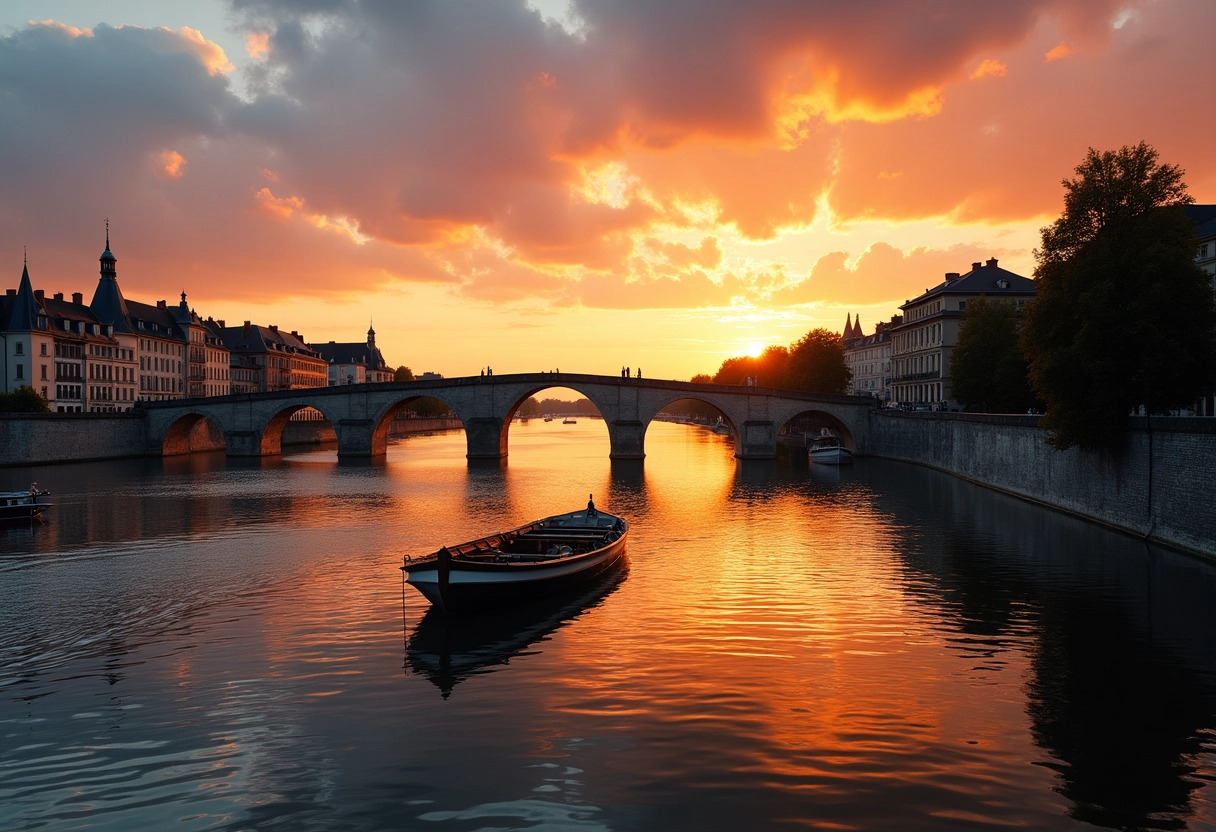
869,358
263,359
354,363
921,343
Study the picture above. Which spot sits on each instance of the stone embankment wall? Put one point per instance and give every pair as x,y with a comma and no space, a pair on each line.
1161,485
46,438
40,438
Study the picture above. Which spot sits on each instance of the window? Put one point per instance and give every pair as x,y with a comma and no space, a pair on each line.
20,371
18,348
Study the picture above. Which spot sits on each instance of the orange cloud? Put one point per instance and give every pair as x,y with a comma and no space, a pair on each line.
171,164
989,67
257,45
1060,50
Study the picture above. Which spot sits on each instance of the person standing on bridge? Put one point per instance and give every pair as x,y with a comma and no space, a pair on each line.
639,375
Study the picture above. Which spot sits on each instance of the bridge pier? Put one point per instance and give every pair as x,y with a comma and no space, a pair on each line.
626,439
355,438
243,443
484,437
757,440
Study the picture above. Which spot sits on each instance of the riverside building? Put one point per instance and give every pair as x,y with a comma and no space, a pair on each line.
921,343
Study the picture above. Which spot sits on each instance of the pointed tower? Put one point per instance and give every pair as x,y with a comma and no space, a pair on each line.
857,327
848,326
28,313
371,336
108,303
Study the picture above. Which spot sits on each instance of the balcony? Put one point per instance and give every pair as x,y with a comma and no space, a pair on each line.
928,374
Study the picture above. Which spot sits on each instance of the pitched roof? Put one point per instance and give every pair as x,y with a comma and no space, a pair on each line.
350,353
26,309
1204,217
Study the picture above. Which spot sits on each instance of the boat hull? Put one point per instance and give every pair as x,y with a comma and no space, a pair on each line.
22,506
831,456
470,586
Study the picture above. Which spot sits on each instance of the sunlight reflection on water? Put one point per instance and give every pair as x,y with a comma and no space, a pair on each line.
216,644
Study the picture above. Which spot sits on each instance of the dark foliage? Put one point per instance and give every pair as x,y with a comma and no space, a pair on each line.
987,369
1122,317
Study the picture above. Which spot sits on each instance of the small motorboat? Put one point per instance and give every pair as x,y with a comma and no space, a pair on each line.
569,420
827,449
532,561
23,506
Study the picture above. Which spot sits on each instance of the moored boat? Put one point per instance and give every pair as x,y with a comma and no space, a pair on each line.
531,561
569,420
827,449
23,506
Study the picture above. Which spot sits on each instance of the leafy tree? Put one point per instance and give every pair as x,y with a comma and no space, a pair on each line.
1122,316
530,408
769,368
24,399
702,378
403,373
817,365
987,368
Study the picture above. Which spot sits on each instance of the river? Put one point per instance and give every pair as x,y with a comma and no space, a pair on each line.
210,644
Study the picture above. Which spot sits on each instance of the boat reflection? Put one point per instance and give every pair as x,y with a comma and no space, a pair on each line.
447,650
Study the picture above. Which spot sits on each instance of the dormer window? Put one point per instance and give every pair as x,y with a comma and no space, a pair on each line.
1002,284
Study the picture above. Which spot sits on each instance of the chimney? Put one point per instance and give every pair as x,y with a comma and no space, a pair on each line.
295,334
274,328
160,304
11,292
221,323
952,276
246,328
975,266
58,296
39,295
78,298
991,263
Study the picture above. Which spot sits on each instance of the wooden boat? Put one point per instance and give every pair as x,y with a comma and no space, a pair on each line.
569,420
828,450
23,506
532,561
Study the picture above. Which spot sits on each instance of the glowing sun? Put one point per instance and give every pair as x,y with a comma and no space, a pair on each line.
754,350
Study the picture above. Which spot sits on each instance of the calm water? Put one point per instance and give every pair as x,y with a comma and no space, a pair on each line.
210,644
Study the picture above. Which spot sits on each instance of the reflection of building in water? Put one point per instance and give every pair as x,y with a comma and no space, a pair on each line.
1123,684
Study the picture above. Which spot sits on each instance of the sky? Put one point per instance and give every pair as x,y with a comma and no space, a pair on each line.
540,185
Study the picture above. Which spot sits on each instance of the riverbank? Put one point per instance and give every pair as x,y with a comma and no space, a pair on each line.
1160,485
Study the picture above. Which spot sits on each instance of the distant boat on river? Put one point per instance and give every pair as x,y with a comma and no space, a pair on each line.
827,449
23,506
535,560
569,420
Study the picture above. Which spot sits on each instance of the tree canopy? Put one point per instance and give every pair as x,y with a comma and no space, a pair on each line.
24,399
987,369
1122,316
403,373
817,365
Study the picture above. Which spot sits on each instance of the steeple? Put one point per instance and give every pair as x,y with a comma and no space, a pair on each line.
848,326
857,326
108,303
371,335
27,312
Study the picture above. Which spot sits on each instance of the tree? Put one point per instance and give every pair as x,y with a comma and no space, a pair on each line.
817,365
24,399
403,373
1122,316
987,368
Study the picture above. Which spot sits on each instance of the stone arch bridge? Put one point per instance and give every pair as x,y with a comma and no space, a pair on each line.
252,424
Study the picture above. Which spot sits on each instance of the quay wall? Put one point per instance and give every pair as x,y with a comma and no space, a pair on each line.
1160,485
48,438
43,438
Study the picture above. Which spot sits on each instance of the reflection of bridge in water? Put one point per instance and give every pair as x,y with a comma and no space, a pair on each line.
361,415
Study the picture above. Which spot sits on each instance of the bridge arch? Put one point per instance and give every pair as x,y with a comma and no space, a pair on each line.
812,419
191,433
382,421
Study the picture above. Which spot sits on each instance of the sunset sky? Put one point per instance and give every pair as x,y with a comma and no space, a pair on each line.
542,185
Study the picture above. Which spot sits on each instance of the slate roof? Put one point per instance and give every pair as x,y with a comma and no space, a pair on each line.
983,279
1204,217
